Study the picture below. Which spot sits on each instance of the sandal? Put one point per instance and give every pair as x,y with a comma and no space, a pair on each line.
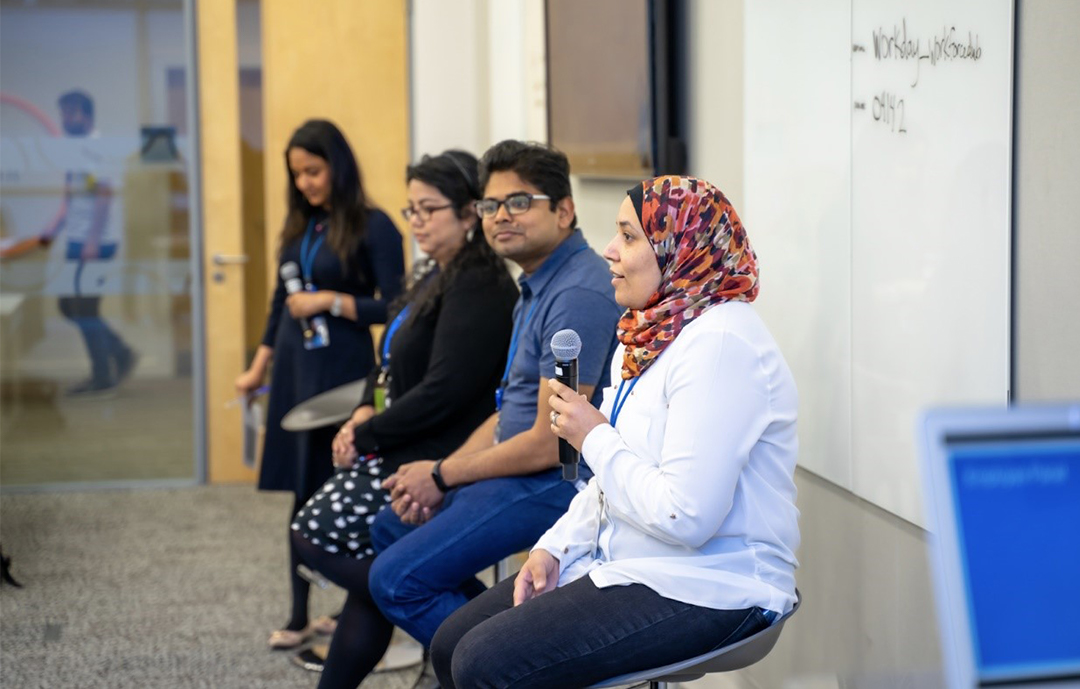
284,639
312,659
324,625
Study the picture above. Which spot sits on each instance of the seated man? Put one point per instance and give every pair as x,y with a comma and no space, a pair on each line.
502,489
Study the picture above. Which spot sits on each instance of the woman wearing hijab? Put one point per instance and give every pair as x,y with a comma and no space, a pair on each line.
684,540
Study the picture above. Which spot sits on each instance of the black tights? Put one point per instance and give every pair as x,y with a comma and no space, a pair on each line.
363,634
298,617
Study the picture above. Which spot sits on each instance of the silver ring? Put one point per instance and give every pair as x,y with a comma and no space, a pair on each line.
554,418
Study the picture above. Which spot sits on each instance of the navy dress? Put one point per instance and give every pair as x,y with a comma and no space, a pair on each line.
300,461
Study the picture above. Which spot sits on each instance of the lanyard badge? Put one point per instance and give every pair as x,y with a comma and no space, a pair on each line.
382,383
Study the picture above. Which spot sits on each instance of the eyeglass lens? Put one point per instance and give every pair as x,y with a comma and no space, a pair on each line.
516,204
424,213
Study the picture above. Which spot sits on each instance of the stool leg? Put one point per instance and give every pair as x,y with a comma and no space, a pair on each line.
502,570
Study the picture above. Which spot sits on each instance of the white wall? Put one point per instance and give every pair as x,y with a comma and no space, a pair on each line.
478,74
867,617
448,66
478,77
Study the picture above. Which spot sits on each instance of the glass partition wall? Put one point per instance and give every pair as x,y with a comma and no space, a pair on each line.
99,377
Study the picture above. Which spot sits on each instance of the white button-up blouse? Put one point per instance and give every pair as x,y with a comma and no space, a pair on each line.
693,493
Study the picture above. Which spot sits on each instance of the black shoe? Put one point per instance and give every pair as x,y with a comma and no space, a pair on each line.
5,570
92,389
126,362
311,659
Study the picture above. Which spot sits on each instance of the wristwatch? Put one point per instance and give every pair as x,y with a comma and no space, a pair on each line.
436,476
335,306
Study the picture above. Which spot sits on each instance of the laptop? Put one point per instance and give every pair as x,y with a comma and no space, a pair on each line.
1002,494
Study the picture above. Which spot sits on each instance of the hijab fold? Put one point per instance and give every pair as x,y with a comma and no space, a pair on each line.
704,256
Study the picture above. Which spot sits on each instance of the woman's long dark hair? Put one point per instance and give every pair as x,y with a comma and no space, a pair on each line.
348,203
454,174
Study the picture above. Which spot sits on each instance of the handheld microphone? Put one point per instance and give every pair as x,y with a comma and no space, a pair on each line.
566,345
316,331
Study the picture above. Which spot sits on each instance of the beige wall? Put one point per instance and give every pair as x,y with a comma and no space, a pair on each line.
1047,280
346,62
867,618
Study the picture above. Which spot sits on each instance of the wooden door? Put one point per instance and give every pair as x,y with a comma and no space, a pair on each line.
223,259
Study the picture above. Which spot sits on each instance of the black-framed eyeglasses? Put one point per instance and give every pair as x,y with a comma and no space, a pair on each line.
423,212
516,204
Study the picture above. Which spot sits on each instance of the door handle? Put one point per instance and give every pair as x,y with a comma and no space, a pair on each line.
225,259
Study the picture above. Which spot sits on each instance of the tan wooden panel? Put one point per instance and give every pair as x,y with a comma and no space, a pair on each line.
346,61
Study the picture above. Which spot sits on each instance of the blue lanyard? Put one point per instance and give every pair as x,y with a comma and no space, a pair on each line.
517,333
518,327
307,259
617,407
385,363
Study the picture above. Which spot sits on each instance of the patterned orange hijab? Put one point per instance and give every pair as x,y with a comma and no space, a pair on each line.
704,258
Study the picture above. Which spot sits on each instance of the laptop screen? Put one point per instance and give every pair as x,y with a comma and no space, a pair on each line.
1017,506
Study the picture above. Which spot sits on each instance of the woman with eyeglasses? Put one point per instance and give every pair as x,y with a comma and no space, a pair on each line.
347,257
442,360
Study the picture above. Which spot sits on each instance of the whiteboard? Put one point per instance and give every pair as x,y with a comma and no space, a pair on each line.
878,177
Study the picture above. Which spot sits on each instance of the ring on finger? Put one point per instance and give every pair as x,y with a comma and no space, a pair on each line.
554,418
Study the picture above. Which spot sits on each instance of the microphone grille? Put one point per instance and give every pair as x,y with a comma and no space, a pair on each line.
289,271
565,345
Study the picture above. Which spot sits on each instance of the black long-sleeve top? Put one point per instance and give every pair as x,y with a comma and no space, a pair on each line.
444,369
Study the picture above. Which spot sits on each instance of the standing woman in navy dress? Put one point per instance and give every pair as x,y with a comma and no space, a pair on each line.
351,260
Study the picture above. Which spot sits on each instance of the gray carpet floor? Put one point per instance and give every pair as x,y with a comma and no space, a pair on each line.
151,588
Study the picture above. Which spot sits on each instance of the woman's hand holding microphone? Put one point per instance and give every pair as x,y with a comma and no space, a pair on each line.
572,416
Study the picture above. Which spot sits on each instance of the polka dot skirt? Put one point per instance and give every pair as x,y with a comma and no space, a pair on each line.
338,517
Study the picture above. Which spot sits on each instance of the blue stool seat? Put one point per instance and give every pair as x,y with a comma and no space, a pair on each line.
732,657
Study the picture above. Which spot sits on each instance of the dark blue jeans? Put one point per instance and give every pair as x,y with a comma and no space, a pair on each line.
102,344
576,636
422,574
